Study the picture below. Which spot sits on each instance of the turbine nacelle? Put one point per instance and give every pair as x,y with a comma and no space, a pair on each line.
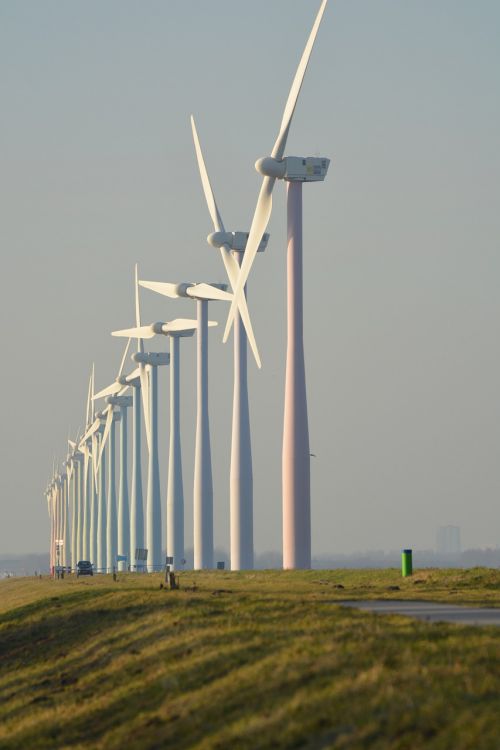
294,168
181,289
121,401
234,241
170,328
155,359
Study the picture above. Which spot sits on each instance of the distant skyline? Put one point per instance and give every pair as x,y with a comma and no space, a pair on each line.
402,239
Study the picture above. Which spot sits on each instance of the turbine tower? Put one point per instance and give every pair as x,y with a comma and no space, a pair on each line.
203,485
75,471
84,448
72,503
78,459
123,403
232,247
65,520
101,499
295,455
136,499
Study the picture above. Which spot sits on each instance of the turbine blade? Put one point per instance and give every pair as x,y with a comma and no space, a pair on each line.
109,391
122,363
207,291
180,324
95,452
145,401
259,224
140,343
92,430
162,287
264,203
85,470
89,396
279,146
133,375
107,428
230,264
205,181
137,305
142,332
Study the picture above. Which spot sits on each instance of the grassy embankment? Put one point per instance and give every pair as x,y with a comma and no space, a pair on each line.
250,660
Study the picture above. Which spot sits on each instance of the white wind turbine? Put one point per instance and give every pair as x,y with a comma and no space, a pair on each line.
84,447
138,381
175,330
73,500
64,519
74,473
203,486
130,522
94,436
148,364
114,530
232,247
50,509
54,502
47,495
97,485
70,498
50,494
295,457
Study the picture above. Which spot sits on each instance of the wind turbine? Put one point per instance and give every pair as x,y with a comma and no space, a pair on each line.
78,459
175,329
295,456
55,516
75,501
232,247
112,532
127,528
203,486
136,381
136,501
73,505
95,492
98,494
84,447
148,367
65,519
50,494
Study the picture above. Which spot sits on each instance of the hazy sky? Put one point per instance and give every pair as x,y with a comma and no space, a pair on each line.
402,251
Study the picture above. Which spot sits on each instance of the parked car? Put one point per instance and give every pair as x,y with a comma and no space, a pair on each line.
84,568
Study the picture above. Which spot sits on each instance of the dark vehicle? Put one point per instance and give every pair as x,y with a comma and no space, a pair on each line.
84,568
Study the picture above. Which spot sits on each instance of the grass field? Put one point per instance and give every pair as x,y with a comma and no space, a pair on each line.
246,660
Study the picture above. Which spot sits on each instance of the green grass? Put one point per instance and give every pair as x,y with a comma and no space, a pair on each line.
250,660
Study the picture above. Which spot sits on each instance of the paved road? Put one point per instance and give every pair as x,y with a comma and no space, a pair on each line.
430,611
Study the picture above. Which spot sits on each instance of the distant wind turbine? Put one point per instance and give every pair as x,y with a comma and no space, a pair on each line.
203,485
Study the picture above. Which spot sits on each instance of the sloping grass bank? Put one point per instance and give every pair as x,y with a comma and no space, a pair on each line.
250,660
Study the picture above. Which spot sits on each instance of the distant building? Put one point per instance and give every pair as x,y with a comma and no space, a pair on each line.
448,540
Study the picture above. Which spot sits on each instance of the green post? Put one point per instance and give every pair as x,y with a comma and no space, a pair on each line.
406,563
